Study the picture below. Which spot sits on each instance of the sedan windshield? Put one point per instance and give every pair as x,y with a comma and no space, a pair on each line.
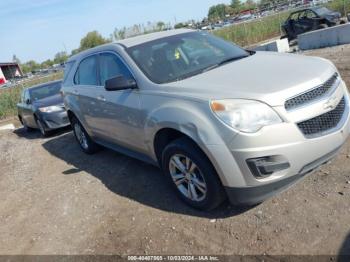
41,92
322,11
181,56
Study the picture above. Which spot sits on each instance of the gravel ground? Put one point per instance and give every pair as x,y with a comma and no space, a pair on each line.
57,200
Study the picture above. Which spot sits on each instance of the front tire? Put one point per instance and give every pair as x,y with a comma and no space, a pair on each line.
85,142
41,127
192,175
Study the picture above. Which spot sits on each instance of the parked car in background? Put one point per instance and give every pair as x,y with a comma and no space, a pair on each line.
41,107
309,19
186,101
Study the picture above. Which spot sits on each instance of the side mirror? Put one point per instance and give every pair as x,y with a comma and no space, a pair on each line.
28,102
120,83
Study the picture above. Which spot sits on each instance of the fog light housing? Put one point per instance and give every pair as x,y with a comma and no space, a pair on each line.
263,167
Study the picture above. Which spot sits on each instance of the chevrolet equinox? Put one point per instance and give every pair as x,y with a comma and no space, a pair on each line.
220,121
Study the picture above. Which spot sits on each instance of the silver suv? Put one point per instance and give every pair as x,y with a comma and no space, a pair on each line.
219,120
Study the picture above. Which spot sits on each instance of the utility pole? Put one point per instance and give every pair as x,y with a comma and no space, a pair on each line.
65,48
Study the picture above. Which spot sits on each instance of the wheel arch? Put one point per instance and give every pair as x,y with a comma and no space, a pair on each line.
166,135
71,114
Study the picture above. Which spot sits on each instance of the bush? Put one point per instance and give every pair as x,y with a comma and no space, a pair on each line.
342,6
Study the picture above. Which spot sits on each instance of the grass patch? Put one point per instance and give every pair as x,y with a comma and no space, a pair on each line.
11,96
249,33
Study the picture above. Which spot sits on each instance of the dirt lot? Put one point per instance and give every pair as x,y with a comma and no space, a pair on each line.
56,200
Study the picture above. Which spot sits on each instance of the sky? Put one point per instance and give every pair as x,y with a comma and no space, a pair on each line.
38,29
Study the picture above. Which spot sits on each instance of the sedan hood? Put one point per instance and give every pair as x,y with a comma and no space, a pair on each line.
333,15
265,76
49,101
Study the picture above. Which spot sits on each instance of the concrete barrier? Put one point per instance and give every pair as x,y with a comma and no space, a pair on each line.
280,45
332,36
7,127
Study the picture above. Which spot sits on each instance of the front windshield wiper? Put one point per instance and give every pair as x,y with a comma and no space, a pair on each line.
225,61
231,59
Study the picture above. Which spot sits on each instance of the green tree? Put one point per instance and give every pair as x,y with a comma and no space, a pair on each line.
160,26
46,64
92,39
250,4
217,12
119,34
30,66
236,5
60,58
179,25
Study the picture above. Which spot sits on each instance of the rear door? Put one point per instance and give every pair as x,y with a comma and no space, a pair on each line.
85,87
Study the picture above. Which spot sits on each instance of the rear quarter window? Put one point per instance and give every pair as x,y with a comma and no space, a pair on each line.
86,73
67,69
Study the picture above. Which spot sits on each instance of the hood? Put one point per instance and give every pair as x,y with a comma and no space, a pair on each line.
332,15
266,76
49,101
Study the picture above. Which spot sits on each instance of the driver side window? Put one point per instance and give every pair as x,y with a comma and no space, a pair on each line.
310,14
111,66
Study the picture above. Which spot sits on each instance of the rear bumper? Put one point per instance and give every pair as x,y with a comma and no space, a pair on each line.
257,194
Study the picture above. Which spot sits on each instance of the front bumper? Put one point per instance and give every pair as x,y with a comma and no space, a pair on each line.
54,120
257,194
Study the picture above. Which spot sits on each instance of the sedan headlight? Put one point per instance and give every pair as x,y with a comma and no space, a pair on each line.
50,109
245,115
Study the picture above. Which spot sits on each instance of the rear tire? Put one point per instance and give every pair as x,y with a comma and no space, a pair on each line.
192,175
85,142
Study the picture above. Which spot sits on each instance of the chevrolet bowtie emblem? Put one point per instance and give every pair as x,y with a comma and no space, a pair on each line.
331,103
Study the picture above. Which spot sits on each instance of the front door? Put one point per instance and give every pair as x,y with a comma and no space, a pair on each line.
118,112
26,108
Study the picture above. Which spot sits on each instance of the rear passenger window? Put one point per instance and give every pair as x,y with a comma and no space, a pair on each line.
87,72
67,68
111,66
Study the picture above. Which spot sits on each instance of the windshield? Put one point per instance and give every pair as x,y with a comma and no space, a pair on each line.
41,92
322,11
181,56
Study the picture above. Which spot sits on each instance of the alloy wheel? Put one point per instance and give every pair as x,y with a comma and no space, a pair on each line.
80,135
187,177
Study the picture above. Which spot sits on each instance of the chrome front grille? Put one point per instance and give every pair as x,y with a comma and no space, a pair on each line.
322,124
312,94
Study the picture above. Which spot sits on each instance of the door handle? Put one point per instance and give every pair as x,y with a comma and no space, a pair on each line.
101,98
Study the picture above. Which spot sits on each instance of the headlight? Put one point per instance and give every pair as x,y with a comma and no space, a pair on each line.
245,115
50,109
